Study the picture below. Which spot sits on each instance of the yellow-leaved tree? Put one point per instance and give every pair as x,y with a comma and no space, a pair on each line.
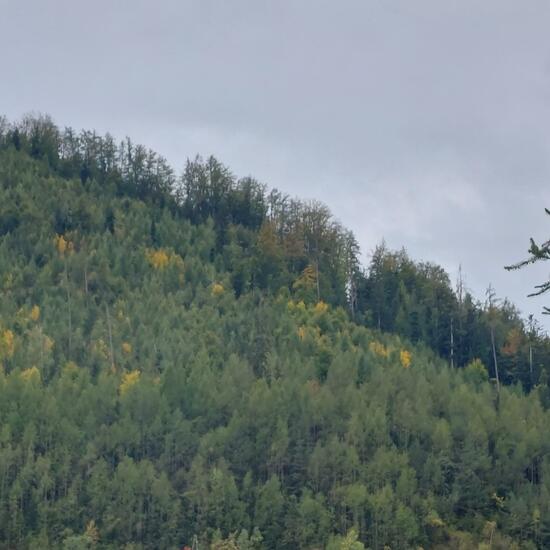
379,349
129,379
158,258
62,244
514,340
405,358
31,375
7,344
305,285
35,313
321,307
217,289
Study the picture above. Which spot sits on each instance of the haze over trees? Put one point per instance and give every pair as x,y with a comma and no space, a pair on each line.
193,357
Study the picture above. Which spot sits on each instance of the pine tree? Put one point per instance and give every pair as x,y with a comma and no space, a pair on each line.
537,253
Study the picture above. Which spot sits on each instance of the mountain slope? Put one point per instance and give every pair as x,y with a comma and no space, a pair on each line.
177,365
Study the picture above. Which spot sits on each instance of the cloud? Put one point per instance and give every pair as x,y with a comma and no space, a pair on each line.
426,122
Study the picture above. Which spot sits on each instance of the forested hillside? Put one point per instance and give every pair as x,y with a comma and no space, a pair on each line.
197,360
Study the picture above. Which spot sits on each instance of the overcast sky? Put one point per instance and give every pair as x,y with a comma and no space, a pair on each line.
426,123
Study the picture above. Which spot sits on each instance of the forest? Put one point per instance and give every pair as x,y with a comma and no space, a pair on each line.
193,360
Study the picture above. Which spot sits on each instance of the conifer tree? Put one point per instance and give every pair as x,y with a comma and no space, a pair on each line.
537,253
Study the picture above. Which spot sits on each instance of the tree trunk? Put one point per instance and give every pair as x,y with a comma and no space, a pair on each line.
69,308
495,358
317,280
531,363
452,345
110,337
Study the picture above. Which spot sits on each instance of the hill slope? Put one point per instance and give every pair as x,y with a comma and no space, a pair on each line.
181,360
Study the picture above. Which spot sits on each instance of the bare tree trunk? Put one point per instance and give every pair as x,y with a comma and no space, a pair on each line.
492,317
110,337
452,344
495,358
531,363
69,308
317,280
352,298
86,277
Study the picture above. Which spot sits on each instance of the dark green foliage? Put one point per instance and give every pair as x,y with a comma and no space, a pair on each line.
417,301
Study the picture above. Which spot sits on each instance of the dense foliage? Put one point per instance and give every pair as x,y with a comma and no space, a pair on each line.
196,360
416,300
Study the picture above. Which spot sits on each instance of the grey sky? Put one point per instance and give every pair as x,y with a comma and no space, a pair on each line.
423,122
